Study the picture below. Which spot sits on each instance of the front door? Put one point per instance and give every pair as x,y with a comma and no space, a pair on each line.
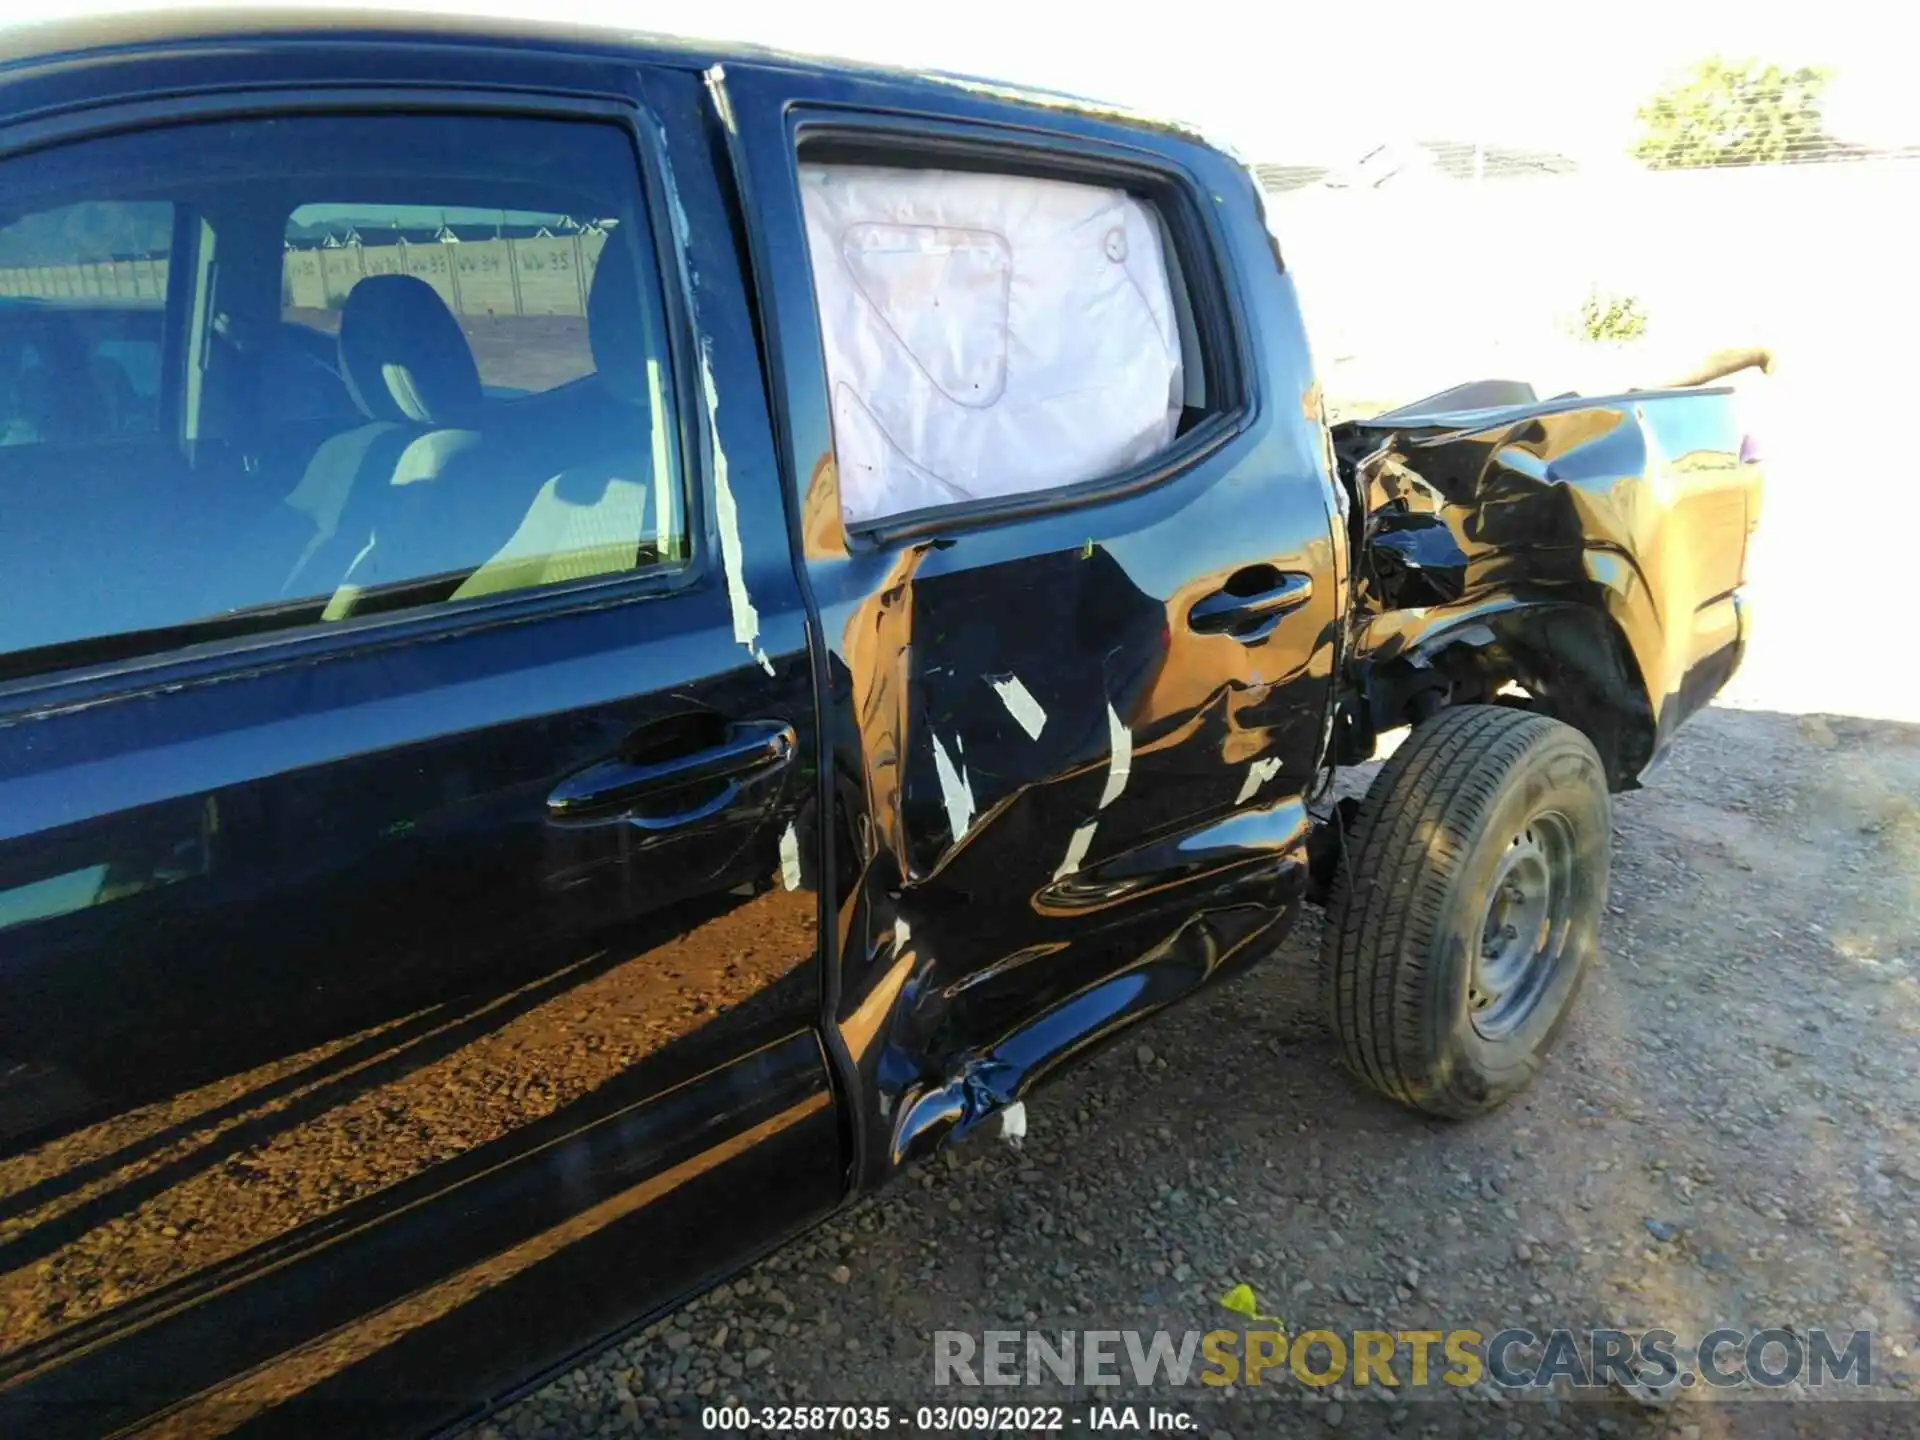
407,967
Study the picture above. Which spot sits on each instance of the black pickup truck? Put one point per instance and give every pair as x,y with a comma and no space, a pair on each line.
604,644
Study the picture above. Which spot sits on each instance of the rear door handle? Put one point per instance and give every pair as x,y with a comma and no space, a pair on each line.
1251,603
611,789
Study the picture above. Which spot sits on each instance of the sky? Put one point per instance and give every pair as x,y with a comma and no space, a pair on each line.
1313,84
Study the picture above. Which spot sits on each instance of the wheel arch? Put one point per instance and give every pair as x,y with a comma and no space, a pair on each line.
1558,657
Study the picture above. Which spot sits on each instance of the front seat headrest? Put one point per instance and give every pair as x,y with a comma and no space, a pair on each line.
403,356
616,324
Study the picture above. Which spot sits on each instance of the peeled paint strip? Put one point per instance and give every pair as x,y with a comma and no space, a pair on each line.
1013,1123
746,619
716,78
1076,850
1121,766
1021,705
955,791
1258,773
789,859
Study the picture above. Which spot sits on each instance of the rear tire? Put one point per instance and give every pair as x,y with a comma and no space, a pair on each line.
1466,907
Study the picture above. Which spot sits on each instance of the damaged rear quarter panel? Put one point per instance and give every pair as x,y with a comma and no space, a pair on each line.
1508,530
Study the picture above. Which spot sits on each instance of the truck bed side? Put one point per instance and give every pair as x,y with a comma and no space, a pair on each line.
1581,555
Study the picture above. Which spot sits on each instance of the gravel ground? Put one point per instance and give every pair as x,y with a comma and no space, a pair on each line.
1725,1136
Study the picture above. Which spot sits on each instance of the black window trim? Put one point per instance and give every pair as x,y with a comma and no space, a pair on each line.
883,136
43,690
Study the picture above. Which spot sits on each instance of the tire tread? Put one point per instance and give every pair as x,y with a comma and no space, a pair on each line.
1416,826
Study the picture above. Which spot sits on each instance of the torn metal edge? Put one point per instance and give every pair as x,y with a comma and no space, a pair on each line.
746,619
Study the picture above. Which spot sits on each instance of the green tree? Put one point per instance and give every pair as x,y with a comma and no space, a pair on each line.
1733,113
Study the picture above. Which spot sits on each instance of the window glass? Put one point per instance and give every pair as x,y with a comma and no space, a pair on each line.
270,373
81,294
988,335
517,280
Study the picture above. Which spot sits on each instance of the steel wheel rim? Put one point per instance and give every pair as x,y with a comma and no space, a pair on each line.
1524,929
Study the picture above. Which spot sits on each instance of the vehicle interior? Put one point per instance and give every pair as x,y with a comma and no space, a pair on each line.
195,447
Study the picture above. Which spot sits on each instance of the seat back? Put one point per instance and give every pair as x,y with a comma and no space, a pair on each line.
410,371
538,501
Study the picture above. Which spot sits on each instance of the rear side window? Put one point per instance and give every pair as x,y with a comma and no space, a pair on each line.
991,335
283,372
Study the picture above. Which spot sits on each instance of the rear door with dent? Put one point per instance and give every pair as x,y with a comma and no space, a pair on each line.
1070,730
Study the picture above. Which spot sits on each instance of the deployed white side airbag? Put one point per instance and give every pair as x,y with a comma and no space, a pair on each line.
987,335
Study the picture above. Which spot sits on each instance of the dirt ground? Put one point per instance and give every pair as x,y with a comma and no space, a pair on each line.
1728,1134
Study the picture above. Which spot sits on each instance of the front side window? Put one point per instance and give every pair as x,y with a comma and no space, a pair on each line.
81,290
990,335
269,373
517,280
